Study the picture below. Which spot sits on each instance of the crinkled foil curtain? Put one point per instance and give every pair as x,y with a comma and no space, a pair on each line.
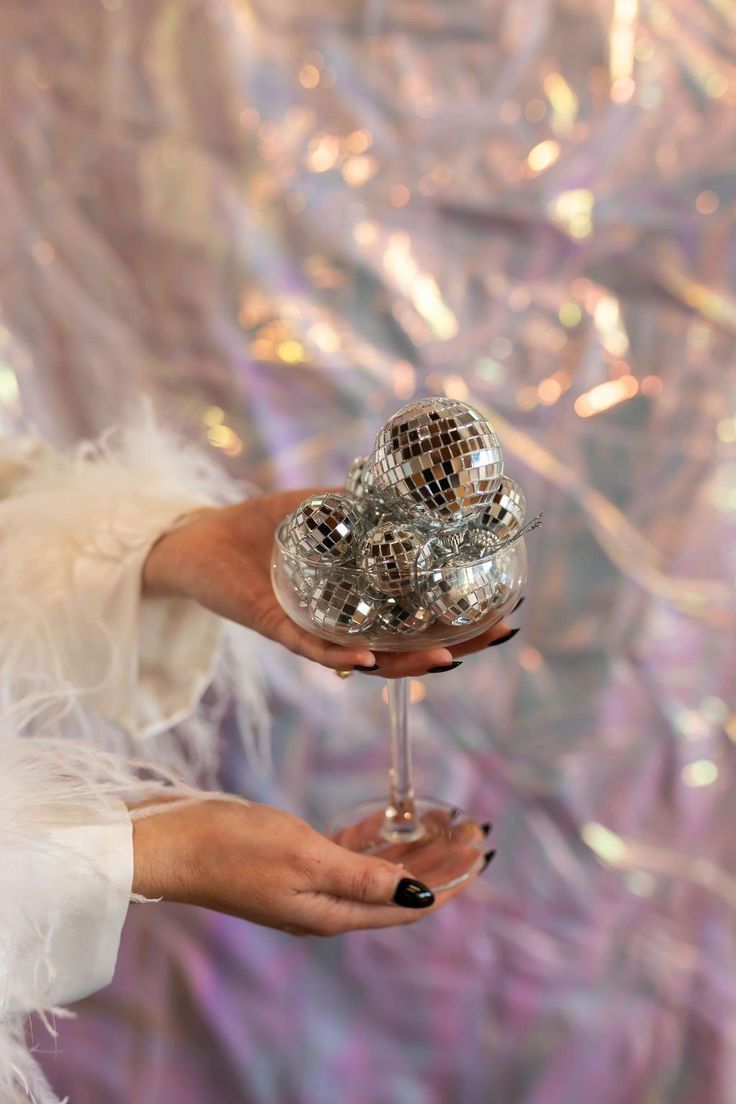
281,221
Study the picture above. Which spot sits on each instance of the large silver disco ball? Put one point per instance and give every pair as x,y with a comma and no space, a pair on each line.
439,459
388,555
504,514
341,603
323,528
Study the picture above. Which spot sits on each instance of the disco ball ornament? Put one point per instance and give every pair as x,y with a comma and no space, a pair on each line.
439,459
404,616
340,604
388,556
323,528
505,513
460,593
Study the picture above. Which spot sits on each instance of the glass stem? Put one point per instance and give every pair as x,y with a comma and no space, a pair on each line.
400,822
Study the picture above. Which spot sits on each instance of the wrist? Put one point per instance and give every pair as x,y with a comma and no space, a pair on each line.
164,852
164,568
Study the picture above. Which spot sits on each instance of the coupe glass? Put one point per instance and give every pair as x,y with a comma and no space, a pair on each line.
436,842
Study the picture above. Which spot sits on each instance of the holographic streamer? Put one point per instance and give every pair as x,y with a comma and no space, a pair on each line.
284,220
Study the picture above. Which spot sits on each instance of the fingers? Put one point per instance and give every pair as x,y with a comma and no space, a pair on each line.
372,881
415,664
330,916
335,656
339,657
410,664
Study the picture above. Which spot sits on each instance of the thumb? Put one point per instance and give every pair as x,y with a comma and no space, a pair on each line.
373,881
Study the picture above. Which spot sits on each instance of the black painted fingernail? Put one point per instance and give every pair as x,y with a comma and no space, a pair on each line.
358,667
503,639
412,894
487,860
486,828
448,667
519,603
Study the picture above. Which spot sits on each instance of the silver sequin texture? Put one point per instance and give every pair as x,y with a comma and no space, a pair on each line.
506,512
323,528
388,556
440,458
342,604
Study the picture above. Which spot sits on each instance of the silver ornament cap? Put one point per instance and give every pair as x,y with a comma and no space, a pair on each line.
439,458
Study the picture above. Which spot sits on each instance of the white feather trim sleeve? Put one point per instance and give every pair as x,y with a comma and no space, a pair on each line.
66,872
74,535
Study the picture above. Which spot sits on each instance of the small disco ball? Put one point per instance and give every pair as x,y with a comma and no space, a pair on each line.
341,604
439,458
388,555
460,593
323,528
404,616
505,513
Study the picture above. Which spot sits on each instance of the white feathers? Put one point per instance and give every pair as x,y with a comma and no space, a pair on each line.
80,654
74,535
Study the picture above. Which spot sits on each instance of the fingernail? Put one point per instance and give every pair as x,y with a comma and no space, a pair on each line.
486,828
448,667
412,894
520,602
360,667
503,639
487,860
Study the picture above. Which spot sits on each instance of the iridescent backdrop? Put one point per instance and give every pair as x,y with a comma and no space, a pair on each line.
282,220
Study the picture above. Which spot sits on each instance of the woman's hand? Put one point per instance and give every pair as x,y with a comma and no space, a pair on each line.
267,866
222,559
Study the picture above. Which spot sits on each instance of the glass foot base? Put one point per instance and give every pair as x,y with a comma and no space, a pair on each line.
449,851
